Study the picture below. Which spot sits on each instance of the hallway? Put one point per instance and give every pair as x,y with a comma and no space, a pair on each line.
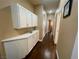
43,50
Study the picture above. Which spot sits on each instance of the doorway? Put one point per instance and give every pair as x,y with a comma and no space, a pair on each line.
50,25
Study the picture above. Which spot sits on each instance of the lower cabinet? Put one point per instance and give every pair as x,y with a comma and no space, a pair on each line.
19,48
16,49
11,50
23,48
30,43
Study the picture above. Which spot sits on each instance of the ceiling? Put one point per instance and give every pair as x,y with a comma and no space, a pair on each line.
48,4
35,2
51,4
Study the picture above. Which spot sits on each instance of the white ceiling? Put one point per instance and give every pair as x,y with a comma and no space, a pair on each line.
48,4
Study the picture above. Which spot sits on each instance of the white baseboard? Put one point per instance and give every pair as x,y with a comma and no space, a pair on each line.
40,40
57,54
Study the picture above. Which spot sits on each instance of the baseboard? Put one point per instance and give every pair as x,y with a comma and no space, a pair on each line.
57,54
40,40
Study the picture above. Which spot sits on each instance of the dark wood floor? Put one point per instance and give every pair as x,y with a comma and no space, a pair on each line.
44,50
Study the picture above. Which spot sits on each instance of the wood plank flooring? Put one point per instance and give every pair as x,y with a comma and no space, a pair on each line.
43,50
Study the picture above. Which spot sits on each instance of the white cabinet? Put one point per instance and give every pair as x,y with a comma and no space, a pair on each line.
37,36
16,49
34,19
11,50
23,48
19,47
30,43
33,40
22,17
18,16
29,19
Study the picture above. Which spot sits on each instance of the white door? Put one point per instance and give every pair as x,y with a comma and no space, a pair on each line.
57,27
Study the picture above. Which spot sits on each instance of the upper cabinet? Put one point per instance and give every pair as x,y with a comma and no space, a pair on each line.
29,17
34,19
22,18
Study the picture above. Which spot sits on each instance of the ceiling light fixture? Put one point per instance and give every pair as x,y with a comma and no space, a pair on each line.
44,12
50,11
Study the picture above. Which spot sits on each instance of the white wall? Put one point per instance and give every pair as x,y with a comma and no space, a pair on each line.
75,49
38,11
58,18
45,25
67,32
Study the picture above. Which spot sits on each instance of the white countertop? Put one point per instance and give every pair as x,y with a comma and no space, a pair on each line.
19,37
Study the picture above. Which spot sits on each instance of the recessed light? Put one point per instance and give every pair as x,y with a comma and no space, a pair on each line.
44,12
50,11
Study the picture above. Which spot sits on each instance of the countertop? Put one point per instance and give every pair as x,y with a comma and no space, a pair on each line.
20,37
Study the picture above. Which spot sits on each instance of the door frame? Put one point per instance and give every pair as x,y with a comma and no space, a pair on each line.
58,15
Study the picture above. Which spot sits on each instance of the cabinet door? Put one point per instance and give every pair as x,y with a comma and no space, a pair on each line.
15,15
34,40
29,19
18,16
30,43
34,19
11,49
37,36
22,16
16,49
25,17
22,48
